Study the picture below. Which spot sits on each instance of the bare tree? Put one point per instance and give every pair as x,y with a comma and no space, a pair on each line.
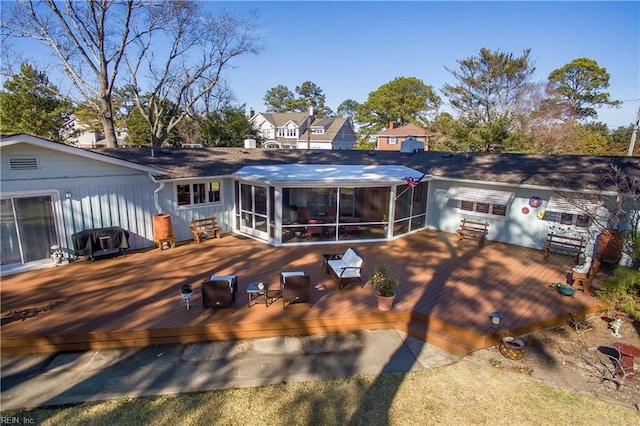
174,52
90,40
620,212
183,72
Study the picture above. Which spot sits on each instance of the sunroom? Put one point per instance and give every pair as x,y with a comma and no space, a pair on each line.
316,204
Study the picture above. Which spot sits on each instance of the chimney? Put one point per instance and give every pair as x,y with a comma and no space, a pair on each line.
393,125
248,112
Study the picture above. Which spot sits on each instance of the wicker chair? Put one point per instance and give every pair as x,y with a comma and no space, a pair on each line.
296,288
219,291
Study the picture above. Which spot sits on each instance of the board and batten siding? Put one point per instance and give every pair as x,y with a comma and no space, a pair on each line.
517,227
90,193
181,216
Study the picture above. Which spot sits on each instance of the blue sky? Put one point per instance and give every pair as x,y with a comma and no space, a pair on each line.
350,49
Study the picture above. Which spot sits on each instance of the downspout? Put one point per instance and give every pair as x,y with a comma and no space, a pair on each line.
155,194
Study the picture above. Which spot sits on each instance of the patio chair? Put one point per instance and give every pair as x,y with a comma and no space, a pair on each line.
219,291
296,287
352,229
303,214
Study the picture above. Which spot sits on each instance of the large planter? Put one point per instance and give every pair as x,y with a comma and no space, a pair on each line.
610,244
385,303
162,227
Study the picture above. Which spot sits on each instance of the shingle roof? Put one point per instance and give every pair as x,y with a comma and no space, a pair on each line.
279,119
568,172
406,130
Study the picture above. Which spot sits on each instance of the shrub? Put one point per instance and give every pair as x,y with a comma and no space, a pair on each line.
621,292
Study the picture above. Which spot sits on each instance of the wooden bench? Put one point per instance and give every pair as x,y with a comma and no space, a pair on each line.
472,230
204,228
562,244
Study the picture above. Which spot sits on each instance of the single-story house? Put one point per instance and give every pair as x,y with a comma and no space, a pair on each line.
51,191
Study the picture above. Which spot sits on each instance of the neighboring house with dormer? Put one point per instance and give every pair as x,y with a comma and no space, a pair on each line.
301,130
393,138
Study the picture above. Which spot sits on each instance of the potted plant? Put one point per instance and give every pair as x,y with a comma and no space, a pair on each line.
384,286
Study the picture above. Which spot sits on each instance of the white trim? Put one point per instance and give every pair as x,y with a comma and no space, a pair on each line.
327,173
79,152
191,204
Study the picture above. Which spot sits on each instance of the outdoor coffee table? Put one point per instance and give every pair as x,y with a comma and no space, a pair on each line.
257,294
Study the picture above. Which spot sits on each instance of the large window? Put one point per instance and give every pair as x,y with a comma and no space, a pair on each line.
198,193
348,213
286,132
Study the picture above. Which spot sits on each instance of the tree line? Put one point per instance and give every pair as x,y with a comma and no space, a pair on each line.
157,68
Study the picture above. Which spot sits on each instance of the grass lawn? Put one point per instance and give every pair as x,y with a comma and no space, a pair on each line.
462,393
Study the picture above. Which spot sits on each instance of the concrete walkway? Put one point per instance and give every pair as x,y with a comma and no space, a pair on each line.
67,378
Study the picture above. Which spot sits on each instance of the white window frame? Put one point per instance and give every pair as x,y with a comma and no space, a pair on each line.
393,140
317,130
287,132
193,201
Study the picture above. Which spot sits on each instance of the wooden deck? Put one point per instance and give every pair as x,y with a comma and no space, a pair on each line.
448,289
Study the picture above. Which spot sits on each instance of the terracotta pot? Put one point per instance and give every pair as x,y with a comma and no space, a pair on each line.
385,303
610,244
162,227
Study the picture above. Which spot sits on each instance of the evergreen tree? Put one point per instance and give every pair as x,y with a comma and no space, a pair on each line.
30,104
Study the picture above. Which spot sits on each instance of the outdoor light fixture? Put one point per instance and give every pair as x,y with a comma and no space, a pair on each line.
67,194
496,317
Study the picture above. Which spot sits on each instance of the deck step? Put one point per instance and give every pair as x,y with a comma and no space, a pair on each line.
445,336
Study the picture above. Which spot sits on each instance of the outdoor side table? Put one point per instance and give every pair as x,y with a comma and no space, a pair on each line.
627,352
256,294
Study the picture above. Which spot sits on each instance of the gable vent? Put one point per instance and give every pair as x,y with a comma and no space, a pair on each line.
23,163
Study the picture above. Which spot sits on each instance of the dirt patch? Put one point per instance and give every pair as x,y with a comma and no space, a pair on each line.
576,357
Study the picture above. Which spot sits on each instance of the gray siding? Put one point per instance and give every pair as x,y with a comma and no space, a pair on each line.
515,228
101,194
181,216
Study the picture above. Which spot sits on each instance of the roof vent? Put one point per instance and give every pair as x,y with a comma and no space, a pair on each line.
20,164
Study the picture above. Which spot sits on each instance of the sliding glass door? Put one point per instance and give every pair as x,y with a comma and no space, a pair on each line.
28,229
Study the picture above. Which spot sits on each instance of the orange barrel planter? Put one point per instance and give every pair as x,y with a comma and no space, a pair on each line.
610,243
162,227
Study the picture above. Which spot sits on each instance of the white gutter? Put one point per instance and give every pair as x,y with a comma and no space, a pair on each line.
155,194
